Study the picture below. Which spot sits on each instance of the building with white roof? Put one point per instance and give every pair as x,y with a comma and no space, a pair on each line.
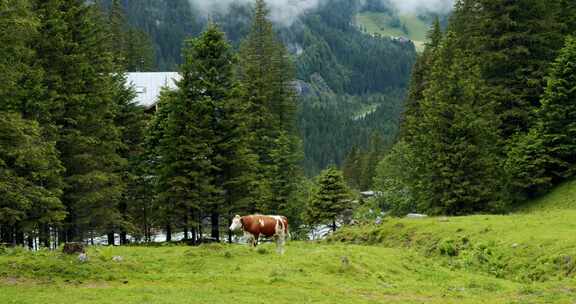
148,85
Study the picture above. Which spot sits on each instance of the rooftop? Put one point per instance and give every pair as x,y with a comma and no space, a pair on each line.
148,85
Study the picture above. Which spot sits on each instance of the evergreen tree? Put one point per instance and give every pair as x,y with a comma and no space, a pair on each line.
557,116
553,144
205,142
455,142
131,122
73,51
18,28
420,73
117,24
30,171
330,199
30,181
513,43
266,75
132,48
140,52
352,168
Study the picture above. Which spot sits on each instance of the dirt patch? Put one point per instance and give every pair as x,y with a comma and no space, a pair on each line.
96,285
11,281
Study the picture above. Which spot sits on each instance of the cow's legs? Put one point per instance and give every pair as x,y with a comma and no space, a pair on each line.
249,238
255,240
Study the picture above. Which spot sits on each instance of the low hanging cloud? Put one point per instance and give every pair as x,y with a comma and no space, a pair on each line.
419,6
286,12
283,12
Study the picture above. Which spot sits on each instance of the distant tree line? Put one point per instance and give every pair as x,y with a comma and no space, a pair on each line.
489,121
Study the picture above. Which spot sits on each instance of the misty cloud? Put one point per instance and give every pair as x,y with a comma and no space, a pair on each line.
418,6
283,12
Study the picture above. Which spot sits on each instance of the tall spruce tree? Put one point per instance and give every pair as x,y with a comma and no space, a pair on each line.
30,171
419,78
73,51
30,182
132,48
205,145
455,142
545,156
266,74
513,43
557,116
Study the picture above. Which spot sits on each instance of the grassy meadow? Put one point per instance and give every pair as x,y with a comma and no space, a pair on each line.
308,273
379,23
526,257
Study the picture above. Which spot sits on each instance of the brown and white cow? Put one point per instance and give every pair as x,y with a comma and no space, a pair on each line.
254,226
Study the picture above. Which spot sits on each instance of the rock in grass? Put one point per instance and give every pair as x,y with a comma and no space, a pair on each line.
73,248
118,259
83,258
416,215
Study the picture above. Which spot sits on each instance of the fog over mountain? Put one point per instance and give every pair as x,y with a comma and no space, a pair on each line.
285,12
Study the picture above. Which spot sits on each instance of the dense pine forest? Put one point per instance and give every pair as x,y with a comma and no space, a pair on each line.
345,78
294,118
80,159
489,119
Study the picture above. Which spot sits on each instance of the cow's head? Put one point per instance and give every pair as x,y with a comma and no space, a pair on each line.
236,223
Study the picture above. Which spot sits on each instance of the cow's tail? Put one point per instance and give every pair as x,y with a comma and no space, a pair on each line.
288,235
281,234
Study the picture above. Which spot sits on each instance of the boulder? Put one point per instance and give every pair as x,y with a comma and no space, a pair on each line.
83,258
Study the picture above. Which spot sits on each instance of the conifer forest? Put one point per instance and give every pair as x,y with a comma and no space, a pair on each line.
361,122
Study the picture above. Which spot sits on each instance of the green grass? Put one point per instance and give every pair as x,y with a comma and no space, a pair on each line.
528,257
308,273
562,198
379,23
529,248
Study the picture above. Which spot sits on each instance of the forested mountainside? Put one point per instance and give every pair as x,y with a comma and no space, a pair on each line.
490,118
351,83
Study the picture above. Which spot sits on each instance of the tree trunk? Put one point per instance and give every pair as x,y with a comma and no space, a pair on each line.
30,242
194,235
3,234
186,227
229,231
168,233
200,233
10,239
123,237
111,237
19,238
44,236
215,221
334,225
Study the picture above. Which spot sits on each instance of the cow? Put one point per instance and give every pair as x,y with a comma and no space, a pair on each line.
255,225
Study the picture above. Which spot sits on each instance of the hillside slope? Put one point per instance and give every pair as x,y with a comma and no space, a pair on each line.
524,247
562,197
